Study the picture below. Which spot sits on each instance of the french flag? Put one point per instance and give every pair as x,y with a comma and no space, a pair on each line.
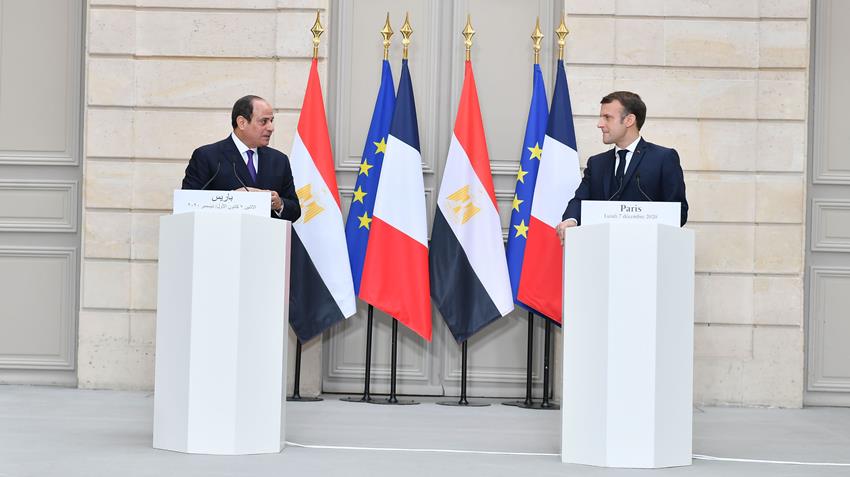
469,273
558,177
395,270
322,291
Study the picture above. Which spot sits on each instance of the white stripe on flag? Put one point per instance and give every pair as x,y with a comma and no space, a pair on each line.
321,230
401,191
557,181
481,235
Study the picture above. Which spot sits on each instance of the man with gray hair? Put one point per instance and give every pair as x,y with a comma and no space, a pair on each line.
244,160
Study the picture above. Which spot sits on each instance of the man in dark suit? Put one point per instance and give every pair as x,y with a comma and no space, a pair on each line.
243,161
634,170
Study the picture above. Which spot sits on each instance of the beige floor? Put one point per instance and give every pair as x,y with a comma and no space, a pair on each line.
68,432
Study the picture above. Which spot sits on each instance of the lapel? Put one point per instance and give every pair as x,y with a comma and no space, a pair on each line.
608,175
637,156
232,154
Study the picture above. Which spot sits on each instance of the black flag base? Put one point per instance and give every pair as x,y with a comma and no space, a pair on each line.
300,398
463,403
368,399
518,403
394,401
545,406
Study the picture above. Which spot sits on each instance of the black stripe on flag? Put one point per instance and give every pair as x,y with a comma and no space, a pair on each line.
312,308
455,288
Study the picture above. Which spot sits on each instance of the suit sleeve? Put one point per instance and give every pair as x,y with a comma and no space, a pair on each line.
573,210
291,206
673,189
198,171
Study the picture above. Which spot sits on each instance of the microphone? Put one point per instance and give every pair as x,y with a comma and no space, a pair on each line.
217,168
619,189
233,163
637,178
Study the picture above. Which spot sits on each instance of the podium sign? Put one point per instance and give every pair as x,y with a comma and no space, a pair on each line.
227,201
606,211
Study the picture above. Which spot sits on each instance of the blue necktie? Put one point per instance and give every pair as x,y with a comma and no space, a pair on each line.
251,169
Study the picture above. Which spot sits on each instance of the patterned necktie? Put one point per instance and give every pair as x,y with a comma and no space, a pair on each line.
251,169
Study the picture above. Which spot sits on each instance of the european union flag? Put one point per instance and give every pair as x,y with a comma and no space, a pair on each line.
360,213
532,150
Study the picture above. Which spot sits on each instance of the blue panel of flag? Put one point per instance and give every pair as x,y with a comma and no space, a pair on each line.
363,203
532,149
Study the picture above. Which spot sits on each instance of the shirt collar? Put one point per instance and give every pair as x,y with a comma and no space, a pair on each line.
241,145
631,147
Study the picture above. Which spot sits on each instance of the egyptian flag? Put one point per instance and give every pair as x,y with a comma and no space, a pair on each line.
541,283
321,290
526,179
358,224
395,272
469,272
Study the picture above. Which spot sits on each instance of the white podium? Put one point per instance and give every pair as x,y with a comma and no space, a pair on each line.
628,345
222,310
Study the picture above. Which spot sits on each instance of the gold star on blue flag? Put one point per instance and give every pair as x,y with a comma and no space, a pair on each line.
363,203
529,162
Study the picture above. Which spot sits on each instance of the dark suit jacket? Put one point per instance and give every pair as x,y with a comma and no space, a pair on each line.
654,173
274,173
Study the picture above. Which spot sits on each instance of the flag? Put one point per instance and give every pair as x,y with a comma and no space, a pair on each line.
321,291
469,274
540,285
357,226
395,271
529,162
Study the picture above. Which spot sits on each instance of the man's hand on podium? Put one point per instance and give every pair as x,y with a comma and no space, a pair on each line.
563,226
277,203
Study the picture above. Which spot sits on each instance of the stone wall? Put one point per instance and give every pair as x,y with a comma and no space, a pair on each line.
161,77
725,82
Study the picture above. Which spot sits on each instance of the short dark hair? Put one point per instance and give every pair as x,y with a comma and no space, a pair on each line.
244,107
632,104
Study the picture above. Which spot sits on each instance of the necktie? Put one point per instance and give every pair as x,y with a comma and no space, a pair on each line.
621,167
251,169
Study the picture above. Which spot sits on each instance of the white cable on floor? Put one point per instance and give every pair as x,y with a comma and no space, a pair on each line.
456,451
763,461
401,449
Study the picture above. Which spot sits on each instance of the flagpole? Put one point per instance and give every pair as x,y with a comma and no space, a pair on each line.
386,33
528,365
367,375
392,399
536,38
562,33
317,31
468,33
296,384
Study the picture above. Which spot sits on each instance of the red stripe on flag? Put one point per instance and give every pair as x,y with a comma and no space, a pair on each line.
313,129
395,277
469,130
540,285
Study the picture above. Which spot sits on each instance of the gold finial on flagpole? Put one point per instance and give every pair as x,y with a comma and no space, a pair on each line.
468,32
387,33
406,31
562,33
537,37
317,32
